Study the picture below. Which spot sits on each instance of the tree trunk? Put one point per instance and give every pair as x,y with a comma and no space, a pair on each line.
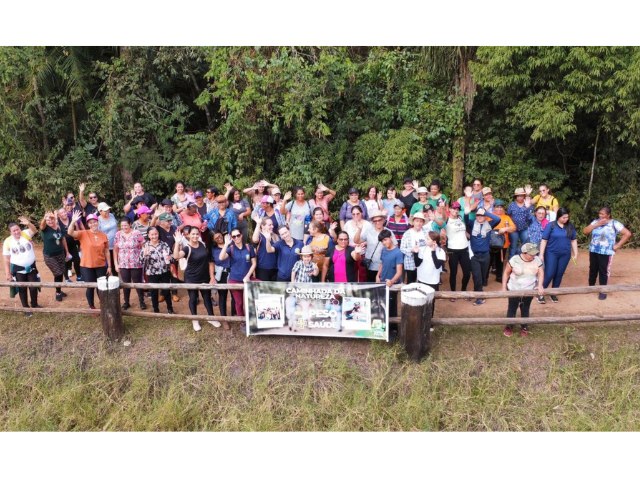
74,123
459,146
36,93
593,167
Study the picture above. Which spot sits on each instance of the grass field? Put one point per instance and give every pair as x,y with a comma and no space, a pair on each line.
60,374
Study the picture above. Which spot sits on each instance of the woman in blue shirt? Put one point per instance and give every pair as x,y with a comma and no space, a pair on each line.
558,241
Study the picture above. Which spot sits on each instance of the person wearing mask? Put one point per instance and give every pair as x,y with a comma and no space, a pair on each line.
127,250
523,272
55,250
155,257
197,271
604,232
95,252
479,232
20,260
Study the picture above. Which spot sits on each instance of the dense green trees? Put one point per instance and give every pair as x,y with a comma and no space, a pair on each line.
344,115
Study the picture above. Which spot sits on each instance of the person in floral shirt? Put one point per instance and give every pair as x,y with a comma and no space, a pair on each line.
126,252
156,258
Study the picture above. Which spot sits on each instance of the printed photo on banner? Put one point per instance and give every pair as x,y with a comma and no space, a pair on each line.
352,310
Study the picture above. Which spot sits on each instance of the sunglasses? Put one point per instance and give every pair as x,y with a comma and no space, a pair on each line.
237,235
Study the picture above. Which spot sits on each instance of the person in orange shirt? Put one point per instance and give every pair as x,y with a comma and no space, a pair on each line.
500,235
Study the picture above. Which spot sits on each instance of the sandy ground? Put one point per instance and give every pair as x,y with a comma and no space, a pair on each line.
626,266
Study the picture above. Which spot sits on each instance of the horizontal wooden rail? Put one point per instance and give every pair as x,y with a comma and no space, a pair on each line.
83,311
454,321
188,316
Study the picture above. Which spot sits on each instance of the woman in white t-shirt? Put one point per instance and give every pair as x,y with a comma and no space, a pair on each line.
20,260
457,248
523,272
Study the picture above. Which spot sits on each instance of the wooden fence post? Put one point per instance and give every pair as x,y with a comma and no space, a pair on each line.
415,319
110,312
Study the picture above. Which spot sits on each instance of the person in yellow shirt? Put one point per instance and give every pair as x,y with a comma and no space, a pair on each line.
498,253
546,200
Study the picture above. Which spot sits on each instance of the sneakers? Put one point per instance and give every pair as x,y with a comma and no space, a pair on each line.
215,323
143,306
126,306
541,299
28,314
58,296
508,331
602,296
479,301
69,274
170,311
79,279
63,294
196,325
524,331
554,299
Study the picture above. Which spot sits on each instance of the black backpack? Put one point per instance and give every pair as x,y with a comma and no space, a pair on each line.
221,226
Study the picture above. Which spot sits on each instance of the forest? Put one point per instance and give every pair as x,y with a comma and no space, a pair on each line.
346,116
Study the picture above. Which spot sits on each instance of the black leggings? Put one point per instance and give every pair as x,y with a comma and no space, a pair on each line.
32,276
132,275
524,303
193,298
267,274
91,275
223,294
163,278
72,245
599,266
460,257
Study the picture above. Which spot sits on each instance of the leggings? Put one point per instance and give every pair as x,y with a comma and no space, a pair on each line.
92,275
411,276
479,269
206,299
496,259
72,245
267,274
554,268
459,256
599,266
32,276
162,278
132,275
524,303
238,297
222,295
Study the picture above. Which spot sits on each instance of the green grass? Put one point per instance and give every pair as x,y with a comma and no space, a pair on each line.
60,374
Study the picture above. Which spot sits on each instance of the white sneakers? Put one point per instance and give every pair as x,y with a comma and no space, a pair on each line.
215,323
196,325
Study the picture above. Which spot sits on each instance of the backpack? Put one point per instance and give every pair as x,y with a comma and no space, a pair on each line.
221,225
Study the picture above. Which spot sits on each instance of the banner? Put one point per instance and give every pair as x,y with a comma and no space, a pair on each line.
344,310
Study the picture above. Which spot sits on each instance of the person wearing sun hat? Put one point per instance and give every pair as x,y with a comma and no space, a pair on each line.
523,272
304,269
520,211
372,256
415,237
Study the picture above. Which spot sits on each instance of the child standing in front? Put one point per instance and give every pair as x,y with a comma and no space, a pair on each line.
304,270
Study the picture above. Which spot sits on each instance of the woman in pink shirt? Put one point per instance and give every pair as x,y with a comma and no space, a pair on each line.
342,261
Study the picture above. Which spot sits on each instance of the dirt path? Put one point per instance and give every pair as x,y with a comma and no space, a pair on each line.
626,266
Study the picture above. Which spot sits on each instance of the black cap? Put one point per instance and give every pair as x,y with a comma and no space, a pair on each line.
166,201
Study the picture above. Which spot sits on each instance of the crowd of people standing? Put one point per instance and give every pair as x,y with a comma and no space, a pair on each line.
406,236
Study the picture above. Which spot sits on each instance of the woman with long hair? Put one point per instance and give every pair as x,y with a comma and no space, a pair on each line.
559,241
319,242
55,250
179,199
298,213
108,225
243,264
242,211
604,232
267,261
457,248
343,258
321,199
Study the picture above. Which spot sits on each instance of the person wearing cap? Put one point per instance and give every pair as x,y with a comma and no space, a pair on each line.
95,252
524,272
199,201
143,222
479,231
408,195
20,259
280,203
414,237
499,253
166,206
267,209
322,197
423,194
210,201
92,205
372,255
559,242
136,196
457,248
241,209
352,201
398,221
127,251
108,225
298,213
304,269
520,211
55,251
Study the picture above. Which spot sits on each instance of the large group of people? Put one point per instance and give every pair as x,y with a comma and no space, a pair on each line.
409,236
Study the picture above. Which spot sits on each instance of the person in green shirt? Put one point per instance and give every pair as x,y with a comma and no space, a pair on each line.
55,251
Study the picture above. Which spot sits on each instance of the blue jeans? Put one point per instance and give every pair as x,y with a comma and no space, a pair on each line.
554,267
514,237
